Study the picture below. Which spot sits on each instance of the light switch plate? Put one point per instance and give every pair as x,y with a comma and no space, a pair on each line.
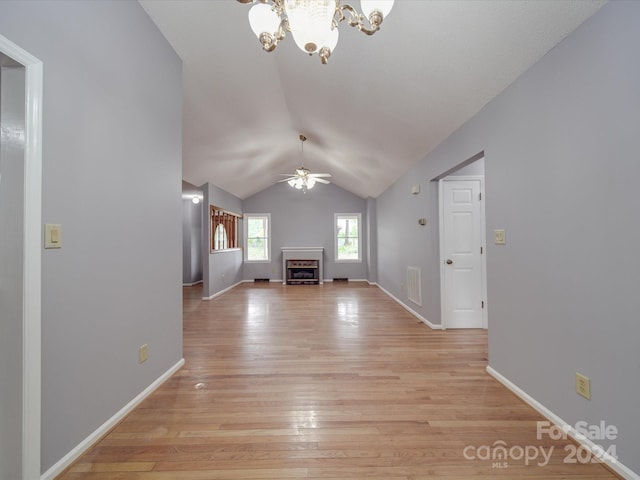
52,235
499,237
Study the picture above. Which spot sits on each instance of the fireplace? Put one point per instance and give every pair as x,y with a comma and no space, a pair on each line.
303,272
302,265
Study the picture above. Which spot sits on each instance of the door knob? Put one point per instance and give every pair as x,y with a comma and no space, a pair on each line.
449,261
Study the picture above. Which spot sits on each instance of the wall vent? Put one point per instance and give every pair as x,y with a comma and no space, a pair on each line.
414,285
340,279
256,280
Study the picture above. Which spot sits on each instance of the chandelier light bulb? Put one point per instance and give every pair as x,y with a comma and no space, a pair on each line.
263,19
330,43
310,22
371,6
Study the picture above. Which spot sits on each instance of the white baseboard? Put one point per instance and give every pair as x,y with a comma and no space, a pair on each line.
225,290
432,326
612,463
88,442
191,284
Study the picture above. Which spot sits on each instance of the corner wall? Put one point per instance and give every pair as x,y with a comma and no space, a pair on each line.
111,178
561,165
221,270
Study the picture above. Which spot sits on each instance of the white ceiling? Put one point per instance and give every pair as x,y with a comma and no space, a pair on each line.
380,105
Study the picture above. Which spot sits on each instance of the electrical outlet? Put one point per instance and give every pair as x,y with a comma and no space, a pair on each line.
583,386
143,353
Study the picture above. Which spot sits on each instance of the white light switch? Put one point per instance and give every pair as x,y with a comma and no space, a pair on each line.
499,237
52,235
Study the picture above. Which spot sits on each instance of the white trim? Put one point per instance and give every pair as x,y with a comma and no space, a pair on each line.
432,326
611,462
32,302
483,233
191,284
211,297
103,429
335,237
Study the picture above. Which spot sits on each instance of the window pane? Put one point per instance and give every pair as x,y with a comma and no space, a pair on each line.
347,241
220,237
257,227
257,238
257,248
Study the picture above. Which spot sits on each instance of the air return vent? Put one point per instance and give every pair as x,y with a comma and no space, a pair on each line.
414,285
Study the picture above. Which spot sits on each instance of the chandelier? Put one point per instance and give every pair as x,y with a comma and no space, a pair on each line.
313,23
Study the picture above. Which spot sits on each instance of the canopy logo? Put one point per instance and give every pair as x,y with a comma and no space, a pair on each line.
500,454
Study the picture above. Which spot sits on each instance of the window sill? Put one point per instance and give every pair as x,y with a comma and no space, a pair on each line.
257,261
214,252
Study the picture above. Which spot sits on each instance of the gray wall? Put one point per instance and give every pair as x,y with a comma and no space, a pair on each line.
403,243
221,270
306,220
561,147
111,177
191,235
12,98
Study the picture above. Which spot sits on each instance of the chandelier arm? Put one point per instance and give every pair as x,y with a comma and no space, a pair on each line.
282,29
354,16
357,19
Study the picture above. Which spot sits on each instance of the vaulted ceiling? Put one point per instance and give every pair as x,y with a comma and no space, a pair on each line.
380,105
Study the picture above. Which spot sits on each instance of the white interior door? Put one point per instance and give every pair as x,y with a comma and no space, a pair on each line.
461,251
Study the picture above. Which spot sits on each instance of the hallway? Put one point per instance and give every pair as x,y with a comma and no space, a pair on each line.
323,382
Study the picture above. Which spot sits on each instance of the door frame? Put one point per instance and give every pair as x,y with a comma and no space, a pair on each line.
483,234
32,261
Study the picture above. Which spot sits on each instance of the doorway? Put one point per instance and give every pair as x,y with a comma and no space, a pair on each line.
20,261
462,252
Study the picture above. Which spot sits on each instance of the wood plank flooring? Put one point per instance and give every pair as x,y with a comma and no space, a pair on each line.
329,382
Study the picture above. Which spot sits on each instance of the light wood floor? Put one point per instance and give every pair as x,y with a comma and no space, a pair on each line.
330,382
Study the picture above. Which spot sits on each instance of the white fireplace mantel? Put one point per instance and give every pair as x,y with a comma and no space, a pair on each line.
302,253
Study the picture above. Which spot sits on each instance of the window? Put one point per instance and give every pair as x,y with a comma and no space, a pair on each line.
347,235
224,229
257,241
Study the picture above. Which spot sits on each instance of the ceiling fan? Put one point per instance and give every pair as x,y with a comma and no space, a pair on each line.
303,179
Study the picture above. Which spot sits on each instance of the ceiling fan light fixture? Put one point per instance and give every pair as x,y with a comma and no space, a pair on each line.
303,179
313,23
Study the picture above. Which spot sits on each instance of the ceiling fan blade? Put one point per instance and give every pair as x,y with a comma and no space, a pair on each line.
322,180
286,174
320,175
286,179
